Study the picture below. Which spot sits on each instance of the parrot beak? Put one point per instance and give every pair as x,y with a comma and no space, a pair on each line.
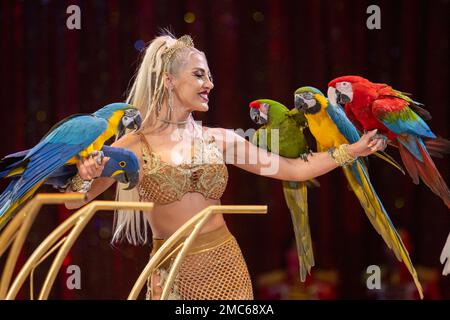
137,121
122,177
332,96
257,116
342,98
121,130
299,103
133,180
131,120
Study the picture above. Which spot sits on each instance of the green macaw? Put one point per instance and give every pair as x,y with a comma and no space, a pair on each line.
272,115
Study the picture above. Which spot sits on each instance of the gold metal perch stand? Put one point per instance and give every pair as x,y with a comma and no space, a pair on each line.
16,231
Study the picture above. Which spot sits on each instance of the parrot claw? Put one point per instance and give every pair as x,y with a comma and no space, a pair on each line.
304,156
99,154
380,136
100,157
93,154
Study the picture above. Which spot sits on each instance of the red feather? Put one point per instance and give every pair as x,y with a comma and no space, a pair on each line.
427,172
255,104
372,101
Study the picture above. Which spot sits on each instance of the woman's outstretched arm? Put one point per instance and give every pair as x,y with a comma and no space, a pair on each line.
245,155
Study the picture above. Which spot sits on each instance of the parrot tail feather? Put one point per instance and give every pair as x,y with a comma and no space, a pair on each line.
426,170
386,157
378,217
11,166
437,147
296,196
8,205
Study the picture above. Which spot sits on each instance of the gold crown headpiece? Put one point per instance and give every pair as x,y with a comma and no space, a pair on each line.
182,42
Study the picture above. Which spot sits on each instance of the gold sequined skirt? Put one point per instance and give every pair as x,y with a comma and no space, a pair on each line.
213,269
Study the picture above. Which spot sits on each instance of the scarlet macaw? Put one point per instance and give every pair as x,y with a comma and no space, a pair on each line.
399,118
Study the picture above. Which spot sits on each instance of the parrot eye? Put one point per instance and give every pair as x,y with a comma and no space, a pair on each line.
122,164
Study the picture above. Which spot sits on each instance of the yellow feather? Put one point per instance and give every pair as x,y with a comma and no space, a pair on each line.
297,201
8,213
380,221
15,171
97,145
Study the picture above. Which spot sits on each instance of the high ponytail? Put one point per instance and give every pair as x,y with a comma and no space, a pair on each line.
165,54
146,93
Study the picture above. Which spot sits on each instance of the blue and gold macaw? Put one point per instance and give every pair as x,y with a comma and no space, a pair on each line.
331,128
122,166
74,137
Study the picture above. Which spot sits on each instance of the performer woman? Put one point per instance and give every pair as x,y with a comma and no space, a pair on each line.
181,178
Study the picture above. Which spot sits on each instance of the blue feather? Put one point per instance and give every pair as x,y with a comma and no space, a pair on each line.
407,122
347,129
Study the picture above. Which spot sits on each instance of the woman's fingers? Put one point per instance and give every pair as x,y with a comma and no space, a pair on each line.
381,144
369,135
88,168
377,145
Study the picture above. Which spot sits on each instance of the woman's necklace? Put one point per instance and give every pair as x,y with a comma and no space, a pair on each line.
173,122
177,134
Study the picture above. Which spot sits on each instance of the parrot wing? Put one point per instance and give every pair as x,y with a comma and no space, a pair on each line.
395,114
63,143
398,117
296,195
414,105
299,117
359,181
260,138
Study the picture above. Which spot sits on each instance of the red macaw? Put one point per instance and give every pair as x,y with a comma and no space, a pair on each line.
400,119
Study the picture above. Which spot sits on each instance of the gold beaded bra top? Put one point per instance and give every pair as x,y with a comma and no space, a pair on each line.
163,183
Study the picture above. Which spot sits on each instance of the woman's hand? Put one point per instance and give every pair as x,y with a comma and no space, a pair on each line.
89,168
367,144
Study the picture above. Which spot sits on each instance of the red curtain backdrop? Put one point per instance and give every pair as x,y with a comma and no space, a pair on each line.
255,49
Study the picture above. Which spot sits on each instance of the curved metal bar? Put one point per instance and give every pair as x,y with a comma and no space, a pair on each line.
26,218
85,217
10,232
40,251
53,237
49,252
172,240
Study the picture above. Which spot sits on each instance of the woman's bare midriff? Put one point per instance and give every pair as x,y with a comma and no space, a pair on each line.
165,219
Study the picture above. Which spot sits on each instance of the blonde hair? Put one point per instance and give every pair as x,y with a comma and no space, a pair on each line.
147,94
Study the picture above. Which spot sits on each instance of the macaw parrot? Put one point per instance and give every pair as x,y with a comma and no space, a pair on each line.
272,115
401,120
74,137
123,166
331,128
